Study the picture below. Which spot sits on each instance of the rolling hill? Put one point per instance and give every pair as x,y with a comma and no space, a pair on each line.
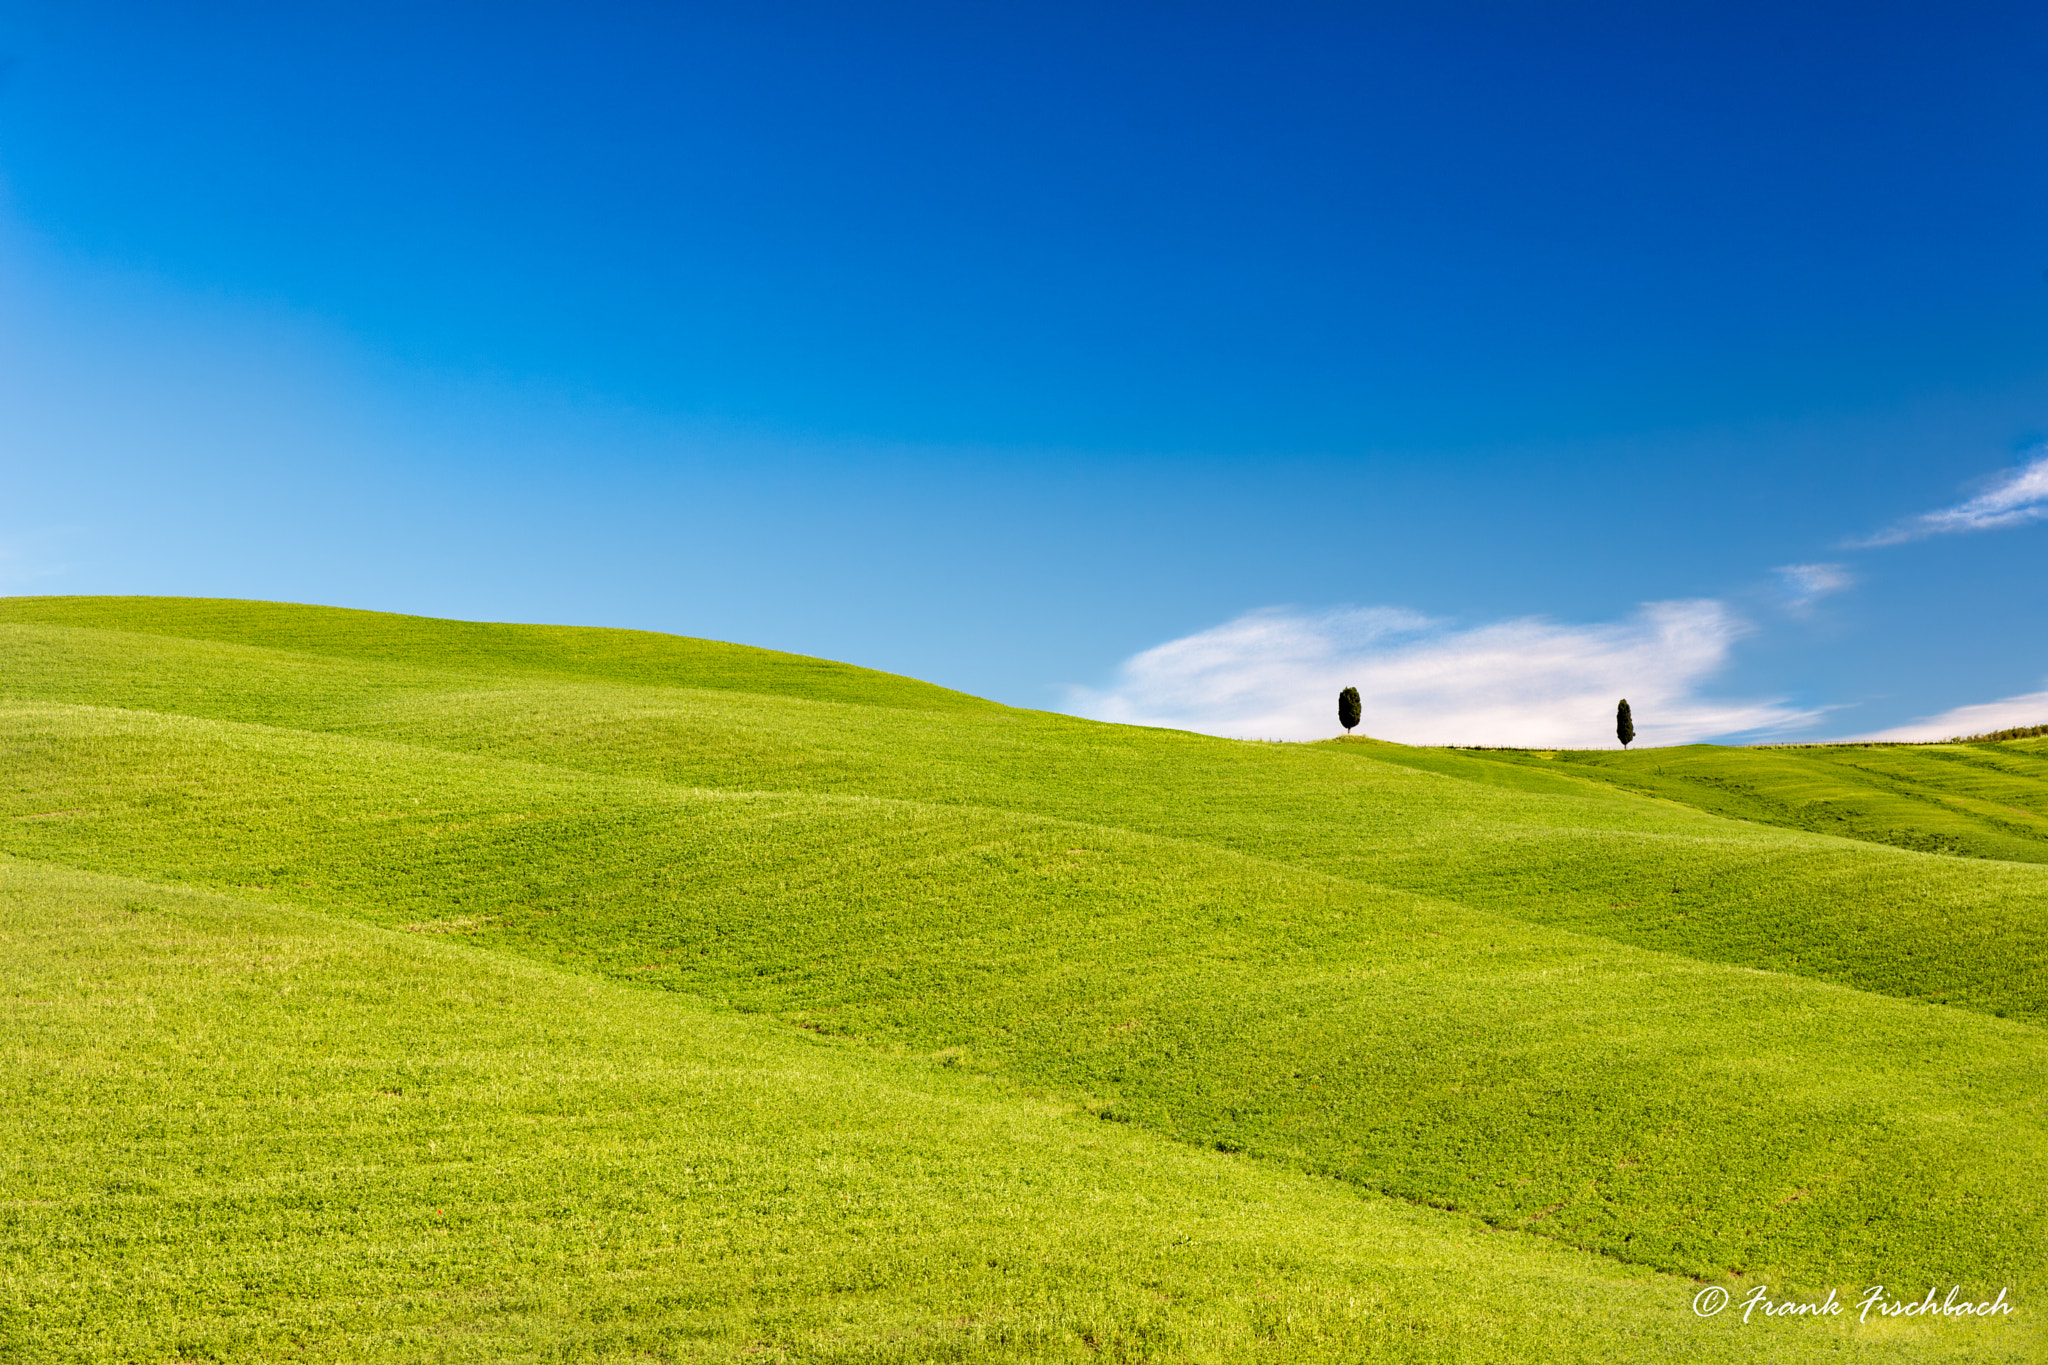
1426,1051
1983,800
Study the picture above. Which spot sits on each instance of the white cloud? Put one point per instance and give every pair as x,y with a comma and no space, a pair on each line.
2006,714
1805,584
2020,497
1275,674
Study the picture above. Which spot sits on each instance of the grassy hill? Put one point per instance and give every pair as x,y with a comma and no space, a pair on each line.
1983,800
1644,1042
490,649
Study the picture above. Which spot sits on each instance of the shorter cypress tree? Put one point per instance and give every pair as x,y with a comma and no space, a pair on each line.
1624,724
1347,708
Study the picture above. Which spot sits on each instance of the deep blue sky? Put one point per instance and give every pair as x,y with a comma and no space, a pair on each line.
995,344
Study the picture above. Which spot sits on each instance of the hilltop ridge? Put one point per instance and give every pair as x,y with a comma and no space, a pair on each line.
595,653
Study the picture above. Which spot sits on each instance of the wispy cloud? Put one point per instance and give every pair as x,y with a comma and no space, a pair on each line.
2008,713
2020,497
1275,674
1804,584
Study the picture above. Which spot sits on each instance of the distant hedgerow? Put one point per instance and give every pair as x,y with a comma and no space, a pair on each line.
2017,732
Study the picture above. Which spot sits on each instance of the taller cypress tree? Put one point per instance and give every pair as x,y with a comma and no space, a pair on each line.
1347,708
1624,724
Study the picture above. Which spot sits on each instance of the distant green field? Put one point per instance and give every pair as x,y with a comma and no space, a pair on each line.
1570,997
1983,800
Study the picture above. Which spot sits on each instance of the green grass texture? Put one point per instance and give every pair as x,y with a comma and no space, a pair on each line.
1984,800
1517,992
237,1130
492,649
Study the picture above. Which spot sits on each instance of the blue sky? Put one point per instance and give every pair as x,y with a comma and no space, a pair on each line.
1163,362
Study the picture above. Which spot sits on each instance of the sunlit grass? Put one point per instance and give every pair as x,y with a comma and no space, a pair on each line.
1987,800
1501,987
238,1132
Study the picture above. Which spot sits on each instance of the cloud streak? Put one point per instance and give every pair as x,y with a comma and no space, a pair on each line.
2007,713
2019,498
1805,584
1275,674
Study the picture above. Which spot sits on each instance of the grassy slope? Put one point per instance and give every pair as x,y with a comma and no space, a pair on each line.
1529,841
1727,1119
1408,1045
1984,800
490,648
234,1131
1976,800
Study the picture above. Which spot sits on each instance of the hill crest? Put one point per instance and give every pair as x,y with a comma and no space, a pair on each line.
581,653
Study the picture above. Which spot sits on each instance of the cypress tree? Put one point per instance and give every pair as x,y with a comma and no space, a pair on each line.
1624,724
1347,708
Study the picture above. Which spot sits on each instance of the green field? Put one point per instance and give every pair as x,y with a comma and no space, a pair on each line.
1975,800
382,987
